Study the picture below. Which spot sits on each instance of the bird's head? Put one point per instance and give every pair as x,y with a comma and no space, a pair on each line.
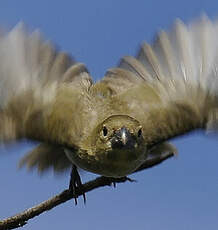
119,132
117,147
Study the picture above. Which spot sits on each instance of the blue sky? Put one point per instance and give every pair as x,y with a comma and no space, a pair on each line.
181,193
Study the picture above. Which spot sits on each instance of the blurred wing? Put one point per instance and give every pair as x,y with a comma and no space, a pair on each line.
31,72
158,154
46,156
172,85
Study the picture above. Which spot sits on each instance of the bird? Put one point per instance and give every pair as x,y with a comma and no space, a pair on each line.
113,126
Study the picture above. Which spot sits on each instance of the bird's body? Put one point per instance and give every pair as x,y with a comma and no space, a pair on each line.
113,126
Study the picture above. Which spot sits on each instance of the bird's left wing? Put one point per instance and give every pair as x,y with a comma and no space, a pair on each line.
171,86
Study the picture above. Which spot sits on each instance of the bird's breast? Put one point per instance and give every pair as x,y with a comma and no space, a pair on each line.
110,163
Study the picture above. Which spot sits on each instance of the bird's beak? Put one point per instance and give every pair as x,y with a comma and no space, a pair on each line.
122,139
124,134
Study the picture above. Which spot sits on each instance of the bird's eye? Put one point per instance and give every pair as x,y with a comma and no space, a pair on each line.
105,131
139,132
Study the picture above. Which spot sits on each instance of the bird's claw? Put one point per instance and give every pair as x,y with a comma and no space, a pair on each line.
130,180
114,183
76,184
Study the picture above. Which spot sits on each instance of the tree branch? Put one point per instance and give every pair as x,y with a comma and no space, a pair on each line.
21,219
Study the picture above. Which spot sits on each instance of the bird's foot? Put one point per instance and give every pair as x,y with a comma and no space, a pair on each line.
115,180
76,184
130,179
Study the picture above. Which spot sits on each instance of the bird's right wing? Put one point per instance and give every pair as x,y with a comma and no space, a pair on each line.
41,93
32,74
46,156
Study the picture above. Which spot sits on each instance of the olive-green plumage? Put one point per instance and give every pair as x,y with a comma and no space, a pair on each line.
113,126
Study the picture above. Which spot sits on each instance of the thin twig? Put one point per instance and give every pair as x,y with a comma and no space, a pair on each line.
21,219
